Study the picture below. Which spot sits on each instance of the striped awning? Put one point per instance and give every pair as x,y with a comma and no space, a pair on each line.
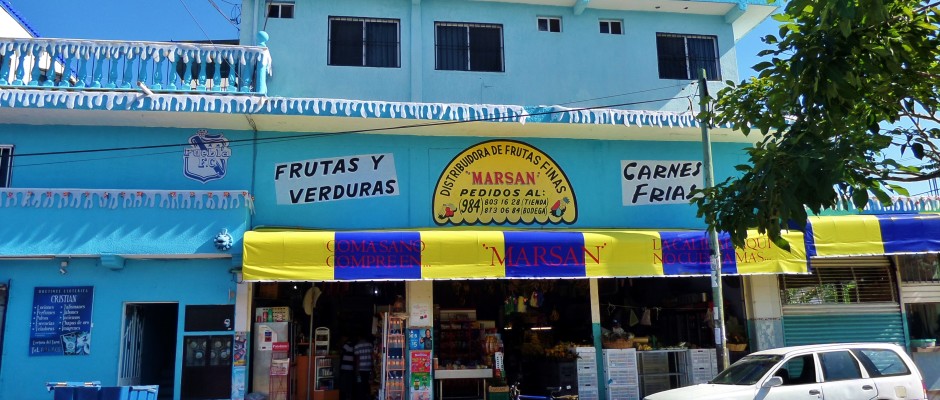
290,255
858,235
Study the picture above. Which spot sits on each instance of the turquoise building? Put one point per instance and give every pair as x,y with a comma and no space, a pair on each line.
137,178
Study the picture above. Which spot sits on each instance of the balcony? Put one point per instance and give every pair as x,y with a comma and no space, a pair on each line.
151,67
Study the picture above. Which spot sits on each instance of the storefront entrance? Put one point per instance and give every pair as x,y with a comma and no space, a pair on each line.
148,351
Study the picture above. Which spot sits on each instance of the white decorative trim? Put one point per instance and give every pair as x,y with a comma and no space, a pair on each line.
125,198
254,104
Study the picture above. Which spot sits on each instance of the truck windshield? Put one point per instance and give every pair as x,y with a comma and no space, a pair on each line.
747,370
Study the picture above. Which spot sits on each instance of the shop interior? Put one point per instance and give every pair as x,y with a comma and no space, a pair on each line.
534,324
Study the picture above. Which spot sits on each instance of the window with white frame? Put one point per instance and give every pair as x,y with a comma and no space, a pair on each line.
611,26
364,42
468,47
682,56
549,24
6,165
281,10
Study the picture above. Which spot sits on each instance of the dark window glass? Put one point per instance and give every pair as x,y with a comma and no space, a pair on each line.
486,50
798,370
469,47
346,43
547,24
6,162
839,366
543,24
287,11
280,10
612,27
682,56
361,42
452,48
381,44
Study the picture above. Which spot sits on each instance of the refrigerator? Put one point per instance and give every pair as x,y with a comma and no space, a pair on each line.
266,334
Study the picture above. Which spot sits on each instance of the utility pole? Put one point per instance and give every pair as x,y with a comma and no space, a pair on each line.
718,312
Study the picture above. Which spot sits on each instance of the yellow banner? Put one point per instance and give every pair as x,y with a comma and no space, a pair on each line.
503,182
483,254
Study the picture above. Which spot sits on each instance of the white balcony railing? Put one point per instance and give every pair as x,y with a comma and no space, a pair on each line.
116,65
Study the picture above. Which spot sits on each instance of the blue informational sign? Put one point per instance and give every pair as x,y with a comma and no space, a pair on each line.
61,322
420,339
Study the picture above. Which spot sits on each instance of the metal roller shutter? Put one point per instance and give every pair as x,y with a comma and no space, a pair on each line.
843,300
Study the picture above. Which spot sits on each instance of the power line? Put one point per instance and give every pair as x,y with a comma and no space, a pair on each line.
622,94
197,22
229,19
277,139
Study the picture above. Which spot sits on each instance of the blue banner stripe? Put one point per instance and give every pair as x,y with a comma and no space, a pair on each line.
810,241
910,233
689,253
377,255
544,254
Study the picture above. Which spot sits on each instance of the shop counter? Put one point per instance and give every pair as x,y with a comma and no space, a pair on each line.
477,374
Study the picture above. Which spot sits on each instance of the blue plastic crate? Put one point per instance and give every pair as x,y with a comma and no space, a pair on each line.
114,393
143,392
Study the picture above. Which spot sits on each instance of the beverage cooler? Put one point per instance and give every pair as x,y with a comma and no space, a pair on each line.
406,361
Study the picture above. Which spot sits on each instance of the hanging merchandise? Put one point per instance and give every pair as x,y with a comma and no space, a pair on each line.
534,299
645,319
520,304
634,320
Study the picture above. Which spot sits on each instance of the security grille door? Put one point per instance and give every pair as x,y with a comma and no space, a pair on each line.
131,346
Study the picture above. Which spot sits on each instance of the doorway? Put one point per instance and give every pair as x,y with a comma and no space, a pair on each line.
148,349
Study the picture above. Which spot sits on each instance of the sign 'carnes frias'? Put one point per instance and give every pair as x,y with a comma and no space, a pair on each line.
503,181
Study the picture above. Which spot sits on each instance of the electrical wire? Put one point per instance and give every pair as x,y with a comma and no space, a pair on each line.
183,2
277,139
222,13
622,94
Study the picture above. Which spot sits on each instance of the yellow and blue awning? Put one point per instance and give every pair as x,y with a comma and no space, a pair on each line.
860,235
290,255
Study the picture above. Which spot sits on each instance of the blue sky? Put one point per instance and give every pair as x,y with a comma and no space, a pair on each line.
168,20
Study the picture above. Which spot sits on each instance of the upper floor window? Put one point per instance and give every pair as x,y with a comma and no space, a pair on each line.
919,267
468,47
281,10
6,165
364,42
549,24
682,56
611,26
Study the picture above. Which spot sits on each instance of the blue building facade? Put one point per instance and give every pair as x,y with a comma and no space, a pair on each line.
133,183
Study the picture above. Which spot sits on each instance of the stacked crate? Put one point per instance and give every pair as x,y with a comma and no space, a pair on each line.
697,366
587,373
620,372
656,372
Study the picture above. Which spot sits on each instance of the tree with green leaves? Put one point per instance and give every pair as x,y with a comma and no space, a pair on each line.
845,81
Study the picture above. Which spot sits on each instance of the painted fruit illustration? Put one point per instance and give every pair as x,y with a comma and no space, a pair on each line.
558,209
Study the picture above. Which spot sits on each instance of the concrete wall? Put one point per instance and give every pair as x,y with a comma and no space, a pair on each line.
182,282
541,68
592,167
